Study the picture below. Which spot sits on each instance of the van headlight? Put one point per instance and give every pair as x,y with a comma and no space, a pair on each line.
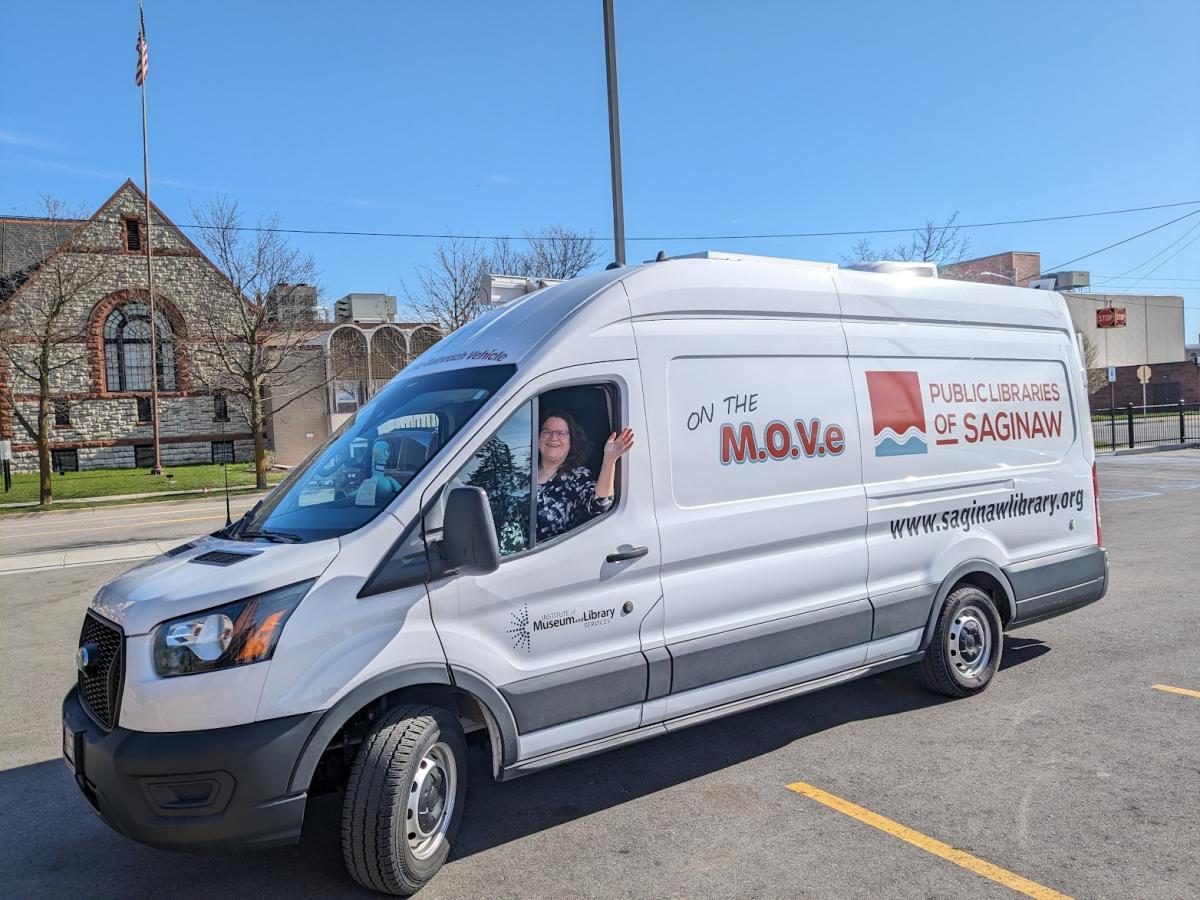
238,633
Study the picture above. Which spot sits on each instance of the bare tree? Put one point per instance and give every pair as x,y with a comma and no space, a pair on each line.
1097,377
557,252
43,323
449,291
942,244
255,334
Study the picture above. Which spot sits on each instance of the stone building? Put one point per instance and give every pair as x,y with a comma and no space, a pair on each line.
350,363
101,381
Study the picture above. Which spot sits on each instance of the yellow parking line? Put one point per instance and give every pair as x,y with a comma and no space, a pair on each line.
1174,690
936,847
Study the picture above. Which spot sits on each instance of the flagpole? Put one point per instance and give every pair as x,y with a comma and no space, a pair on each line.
157,469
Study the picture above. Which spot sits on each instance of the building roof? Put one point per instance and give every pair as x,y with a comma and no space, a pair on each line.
27,243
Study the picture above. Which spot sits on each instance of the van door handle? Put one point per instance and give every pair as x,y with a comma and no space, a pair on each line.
631,553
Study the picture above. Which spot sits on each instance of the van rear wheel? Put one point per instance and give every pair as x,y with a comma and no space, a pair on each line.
404,800
967,642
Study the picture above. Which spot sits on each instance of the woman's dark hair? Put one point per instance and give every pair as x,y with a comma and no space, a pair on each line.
581,447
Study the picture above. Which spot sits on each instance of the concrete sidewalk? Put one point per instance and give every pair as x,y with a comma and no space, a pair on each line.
182,495
86,556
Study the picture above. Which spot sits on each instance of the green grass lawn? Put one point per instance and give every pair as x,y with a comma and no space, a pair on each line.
95,483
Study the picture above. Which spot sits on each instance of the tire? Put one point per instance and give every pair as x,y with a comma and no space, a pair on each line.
967,642
404,799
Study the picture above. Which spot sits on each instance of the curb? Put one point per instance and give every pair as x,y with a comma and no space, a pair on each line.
86,556
1157,448
116,498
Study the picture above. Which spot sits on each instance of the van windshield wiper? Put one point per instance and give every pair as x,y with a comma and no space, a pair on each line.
276,537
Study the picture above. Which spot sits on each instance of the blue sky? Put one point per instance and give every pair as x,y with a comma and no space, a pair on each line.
750,117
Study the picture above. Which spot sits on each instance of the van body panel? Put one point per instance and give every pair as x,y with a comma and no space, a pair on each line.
971,449
903,300
186,702
524,330
577,692
764,681
580,731
558,629
1050,586
732,289
173,585
314,664
900,611
742,651
901,644
757,482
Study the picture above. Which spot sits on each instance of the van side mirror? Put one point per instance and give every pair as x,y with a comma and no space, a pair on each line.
468,535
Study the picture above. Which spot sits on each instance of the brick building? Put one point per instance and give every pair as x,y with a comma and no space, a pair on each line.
1169,383
101,382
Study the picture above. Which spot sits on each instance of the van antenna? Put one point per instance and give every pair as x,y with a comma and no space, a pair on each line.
661,256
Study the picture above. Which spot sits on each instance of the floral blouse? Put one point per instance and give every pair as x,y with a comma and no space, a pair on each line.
566,501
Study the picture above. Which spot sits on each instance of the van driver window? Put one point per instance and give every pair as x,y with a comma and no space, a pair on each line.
575,449
503,468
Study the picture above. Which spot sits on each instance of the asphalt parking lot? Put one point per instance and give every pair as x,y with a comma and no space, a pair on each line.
1072,775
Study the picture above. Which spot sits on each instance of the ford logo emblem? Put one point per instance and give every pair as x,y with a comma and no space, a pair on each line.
86,657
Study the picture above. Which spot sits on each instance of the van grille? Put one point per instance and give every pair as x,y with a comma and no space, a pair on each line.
100,686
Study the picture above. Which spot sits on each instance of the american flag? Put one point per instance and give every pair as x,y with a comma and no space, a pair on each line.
143,52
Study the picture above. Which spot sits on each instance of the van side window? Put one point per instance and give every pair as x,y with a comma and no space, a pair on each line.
503,468
555,442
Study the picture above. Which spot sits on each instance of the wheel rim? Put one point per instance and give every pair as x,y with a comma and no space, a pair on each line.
970,643
430,805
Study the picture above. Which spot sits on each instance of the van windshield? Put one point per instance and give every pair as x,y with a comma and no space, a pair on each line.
367,462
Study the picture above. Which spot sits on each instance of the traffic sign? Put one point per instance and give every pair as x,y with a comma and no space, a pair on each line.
1143,374
1112,374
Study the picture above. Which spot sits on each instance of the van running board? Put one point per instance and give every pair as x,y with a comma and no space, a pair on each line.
557,757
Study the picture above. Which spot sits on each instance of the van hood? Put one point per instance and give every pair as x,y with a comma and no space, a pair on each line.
175,584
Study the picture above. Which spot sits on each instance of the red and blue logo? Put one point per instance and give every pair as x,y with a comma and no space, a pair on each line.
897,413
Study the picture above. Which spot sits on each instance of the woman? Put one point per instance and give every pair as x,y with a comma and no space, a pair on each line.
567,496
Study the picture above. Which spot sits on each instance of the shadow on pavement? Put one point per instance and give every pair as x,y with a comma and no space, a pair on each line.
55,843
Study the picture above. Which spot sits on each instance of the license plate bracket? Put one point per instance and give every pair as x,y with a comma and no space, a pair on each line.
70,748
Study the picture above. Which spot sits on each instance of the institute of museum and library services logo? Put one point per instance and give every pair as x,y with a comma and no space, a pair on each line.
897,413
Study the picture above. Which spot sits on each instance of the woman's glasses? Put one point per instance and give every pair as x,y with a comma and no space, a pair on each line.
561,435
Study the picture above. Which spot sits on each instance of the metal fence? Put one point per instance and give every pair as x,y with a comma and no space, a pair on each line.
1145,426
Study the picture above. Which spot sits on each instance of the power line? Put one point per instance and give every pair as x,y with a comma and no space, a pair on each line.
1159,278
706,237
1134,237
1146,262
1130,287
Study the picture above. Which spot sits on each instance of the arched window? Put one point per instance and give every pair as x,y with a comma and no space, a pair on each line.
127,349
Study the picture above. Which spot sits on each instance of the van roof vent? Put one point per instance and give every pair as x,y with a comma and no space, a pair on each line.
221,558
897,267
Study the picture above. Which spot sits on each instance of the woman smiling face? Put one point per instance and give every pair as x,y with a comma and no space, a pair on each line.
554,442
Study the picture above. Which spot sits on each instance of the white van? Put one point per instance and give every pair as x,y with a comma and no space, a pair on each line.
834,472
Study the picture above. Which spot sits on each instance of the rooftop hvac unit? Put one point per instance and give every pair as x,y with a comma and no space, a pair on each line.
1069,281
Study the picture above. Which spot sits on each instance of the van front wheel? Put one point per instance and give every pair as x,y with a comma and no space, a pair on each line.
967,642
404,799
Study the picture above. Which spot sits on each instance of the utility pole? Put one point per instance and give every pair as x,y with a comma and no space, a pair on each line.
142,69
614,133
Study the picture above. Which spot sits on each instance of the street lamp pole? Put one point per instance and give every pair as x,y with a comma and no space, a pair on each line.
614,133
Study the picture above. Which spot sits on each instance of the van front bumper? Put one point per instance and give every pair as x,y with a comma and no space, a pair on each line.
221,788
